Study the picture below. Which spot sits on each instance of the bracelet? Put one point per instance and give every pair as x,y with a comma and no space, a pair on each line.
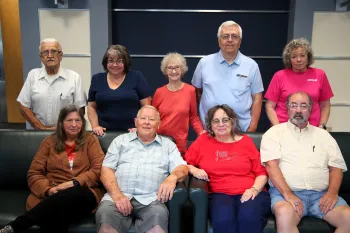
257,190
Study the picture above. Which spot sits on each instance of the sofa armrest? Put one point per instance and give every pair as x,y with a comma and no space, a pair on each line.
198,195
175,205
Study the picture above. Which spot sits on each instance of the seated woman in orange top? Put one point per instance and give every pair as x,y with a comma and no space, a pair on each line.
176,102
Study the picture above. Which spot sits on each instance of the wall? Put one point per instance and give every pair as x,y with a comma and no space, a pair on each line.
100,38
301,16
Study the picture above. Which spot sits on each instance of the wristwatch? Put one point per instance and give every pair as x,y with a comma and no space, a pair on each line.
323,126
75,182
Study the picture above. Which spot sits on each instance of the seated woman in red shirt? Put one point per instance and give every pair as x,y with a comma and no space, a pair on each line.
230,162
176,102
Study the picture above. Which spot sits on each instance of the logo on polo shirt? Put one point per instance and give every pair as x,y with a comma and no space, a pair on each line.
312,80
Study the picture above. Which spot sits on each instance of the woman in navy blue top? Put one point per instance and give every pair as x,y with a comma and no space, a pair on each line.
116,95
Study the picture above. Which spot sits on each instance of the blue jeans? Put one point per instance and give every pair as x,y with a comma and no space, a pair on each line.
310,198
229,215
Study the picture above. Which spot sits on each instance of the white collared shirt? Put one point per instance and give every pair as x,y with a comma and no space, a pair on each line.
304,155
45,95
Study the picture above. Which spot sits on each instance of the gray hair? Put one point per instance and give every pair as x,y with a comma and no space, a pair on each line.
299,93
49,40
230,23
150,107
294,44
174,57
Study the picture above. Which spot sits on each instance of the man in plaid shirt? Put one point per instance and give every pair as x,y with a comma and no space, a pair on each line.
140,172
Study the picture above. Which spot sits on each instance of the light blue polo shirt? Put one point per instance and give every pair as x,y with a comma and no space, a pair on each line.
223,83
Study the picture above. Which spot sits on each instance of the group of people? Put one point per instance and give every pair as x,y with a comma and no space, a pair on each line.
141,168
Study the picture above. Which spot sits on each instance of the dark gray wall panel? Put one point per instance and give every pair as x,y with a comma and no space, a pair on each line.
195,33
219,4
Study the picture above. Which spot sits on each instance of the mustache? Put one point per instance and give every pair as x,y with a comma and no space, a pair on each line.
298,115
50,59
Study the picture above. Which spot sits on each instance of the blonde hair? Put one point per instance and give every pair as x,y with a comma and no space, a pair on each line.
294,44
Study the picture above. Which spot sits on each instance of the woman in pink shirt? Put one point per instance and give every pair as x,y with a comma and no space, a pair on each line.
299,76
176,102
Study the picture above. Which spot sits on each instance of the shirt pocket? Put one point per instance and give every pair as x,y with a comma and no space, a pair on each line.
319,157
66,99
241,84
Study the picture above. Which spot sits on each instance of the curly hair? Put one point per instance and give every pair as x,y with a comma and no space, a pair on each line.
174,57
236,130
294,44
120,51
60,134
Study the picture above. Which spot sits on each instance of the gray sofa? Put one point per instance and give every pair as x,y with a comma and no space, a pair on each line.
17,149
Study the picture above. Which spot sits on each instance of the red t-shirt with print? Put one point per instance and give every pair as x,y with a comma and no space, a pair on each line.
231,167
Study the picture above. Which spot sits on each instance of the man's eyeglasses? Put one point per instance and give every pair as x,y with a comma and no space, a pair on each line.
224,120
171,68
118,62
47,52
228,36
151,119
295,106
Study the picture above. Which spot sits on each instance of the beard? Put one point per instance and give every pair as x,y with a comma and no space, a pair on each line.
298,119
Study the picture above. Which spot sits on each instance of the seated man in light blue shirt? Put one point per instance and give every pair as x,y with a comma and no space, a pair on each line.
229,77
139,172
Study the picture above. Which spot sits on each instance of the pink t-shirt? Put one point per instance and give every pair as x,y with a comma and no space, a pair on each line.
285,82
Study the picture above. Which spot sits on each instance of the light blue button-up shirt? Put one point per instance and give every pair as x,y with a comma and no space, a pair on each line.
141,168
231,84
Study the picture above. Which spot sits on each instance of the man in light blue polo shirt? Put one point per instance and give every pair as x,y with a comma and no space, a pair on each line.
229,77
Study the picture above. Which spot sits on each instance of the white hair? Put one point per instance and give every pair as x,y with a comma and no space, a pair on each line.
49,40
150,107
230,23
174,57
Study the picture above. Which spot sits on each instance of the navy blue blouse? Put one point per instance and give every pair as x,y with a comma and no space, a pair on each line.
116,109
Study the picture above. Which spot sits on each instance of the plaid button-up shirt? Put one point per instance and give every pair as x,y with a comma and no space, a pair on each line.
139,168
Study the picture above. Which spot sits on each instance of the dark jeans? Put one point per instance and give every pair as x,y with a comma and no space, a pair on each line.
229,215
56,212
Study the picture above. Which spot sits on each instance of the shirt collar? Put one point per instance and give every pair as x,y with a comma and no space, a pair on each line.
43,73
133,136
296,129
237,60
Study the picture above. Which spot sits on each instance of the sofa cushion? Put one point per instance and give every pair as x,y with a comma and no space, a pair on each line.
343,140
17,155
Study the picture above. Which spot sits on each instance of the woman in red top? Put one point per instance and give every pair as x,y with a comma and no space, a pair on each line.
176,102
230,162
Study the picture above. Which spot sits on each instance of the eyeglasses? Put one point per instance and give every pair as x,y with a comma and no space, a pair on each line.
171,68
118,62
47,52
228,36
224,120
295,106
70,121
151,119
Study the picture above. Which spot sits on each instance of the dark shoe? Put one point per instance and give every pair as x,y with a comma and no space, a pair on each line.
7,229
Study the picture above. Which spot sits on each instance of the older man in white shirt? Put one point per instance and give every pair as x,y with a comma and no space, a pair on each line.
48,89
305,168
